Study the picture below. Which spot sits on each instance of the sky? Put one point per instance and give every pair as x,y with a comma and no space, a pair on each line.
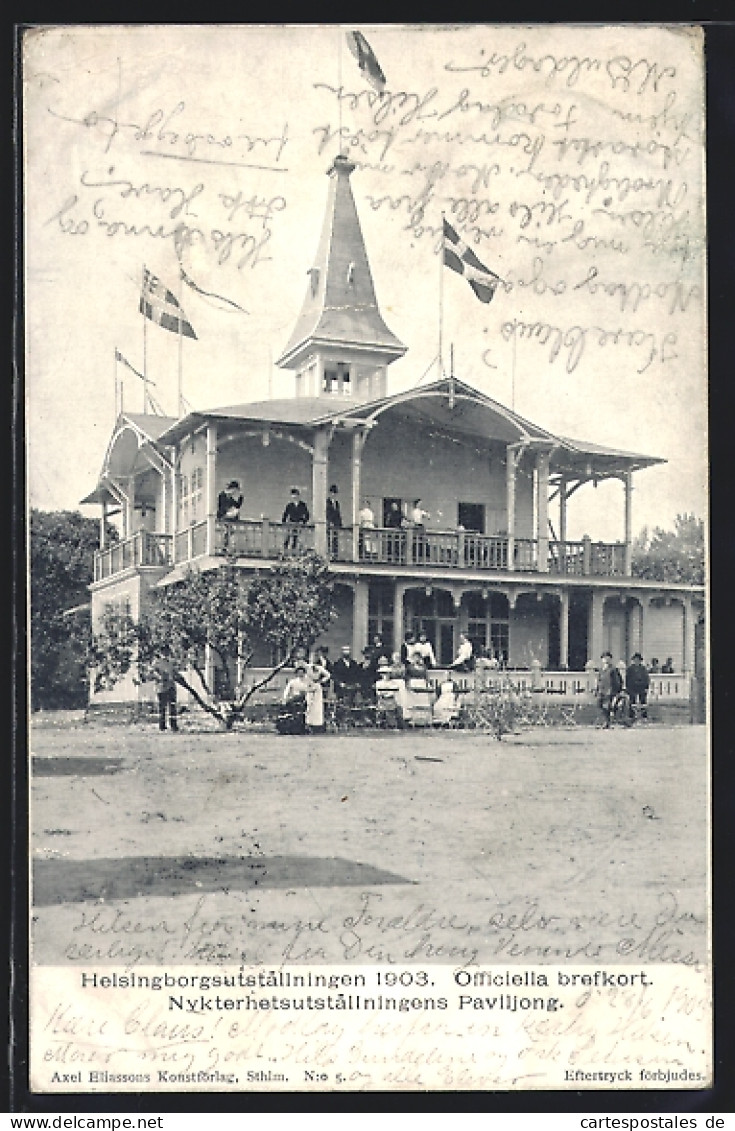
569,159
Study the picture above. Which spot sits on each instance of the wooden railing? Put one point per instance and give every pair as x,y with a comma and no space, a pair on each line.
557,686
436,549
143,548
264,539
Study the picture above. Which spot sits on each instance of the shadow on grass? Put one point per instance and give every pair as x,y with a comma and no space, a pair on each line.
79,881
74,767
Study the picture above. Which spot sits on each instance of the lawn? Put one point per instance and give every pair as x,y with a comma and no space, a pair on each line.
553,845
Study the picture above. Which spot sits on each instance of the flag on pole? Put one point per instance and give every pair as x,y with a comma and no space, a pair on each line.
366,59
463,260
161,306
227,302
124,360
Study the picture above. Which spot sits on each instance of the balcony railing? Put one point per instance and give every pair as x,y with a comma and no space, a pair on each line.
455,549
434,549
142,549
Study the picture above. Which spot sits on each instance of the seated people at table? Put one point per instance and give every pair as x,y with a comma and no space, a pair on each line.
463,660
229,502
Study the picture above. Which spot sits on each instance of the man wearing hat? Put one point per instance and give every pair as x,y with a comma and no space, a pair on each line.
295,514
229,502
334,520
636,684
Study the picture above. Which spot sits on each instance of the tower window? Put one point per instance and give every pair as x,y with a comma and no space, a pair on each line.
337,379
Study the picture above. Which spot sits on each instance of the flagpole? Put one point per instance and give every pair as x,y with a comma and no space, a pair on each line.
441,304
180,391
340,33
513,378
145,354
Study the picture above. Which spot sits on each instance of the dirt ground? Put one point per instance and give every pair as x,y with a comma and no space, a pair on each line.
552,845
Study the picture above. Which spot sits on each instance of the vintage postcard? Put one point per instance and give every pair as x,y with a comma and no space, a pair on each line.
367,487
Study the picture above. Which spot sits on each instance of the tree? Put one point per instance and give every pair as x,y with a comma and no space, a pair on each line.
671,555
285,607
62,545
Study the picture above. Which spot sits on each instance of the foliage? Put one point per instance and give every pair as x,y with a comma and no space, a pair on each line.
672,555
61,549
495,708
285,607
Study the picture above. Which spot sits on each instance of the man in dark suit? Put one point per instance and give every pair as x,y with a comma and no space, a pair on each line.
296,514
334,520
229,501
346,676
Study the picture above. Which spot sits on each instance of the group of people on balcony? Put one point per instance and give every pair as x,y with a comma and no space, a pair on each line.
295,515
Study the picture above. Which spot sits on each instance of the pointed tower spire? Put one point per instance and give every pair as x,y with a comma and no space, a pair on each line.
340,343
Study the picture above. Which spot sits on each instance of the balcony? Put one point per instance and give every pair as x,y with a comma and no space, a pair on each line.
398,549
412,548
142,549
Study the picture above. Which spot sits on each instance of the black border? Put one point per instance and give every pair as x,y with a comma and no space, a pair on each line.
720,63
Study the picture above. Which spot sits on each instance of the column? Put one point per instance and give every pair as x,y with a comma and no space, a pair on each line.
628,482
595,638
103,525
510,496
319,490
211,485
635,628
564,628
563,523
358,440
689,627
359,618
129,508
542,510
398,616
174,503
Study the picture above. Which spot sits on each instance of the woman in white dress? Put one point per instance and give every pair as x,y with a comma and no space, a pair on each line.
317,679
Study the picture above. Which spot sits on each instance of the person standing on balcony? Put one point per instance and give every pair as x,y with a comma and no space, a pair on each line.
334,520
295,515
166,690
394,521
368,542
229,502
417,520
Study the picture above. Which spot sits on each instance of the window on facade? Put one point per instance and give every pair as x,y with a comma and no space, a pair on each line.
191,497
487,623
183,486
471,516
196,495
381,613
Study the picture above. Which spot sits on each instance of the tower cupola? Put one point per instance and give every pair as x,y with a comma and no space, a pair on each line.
340,346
